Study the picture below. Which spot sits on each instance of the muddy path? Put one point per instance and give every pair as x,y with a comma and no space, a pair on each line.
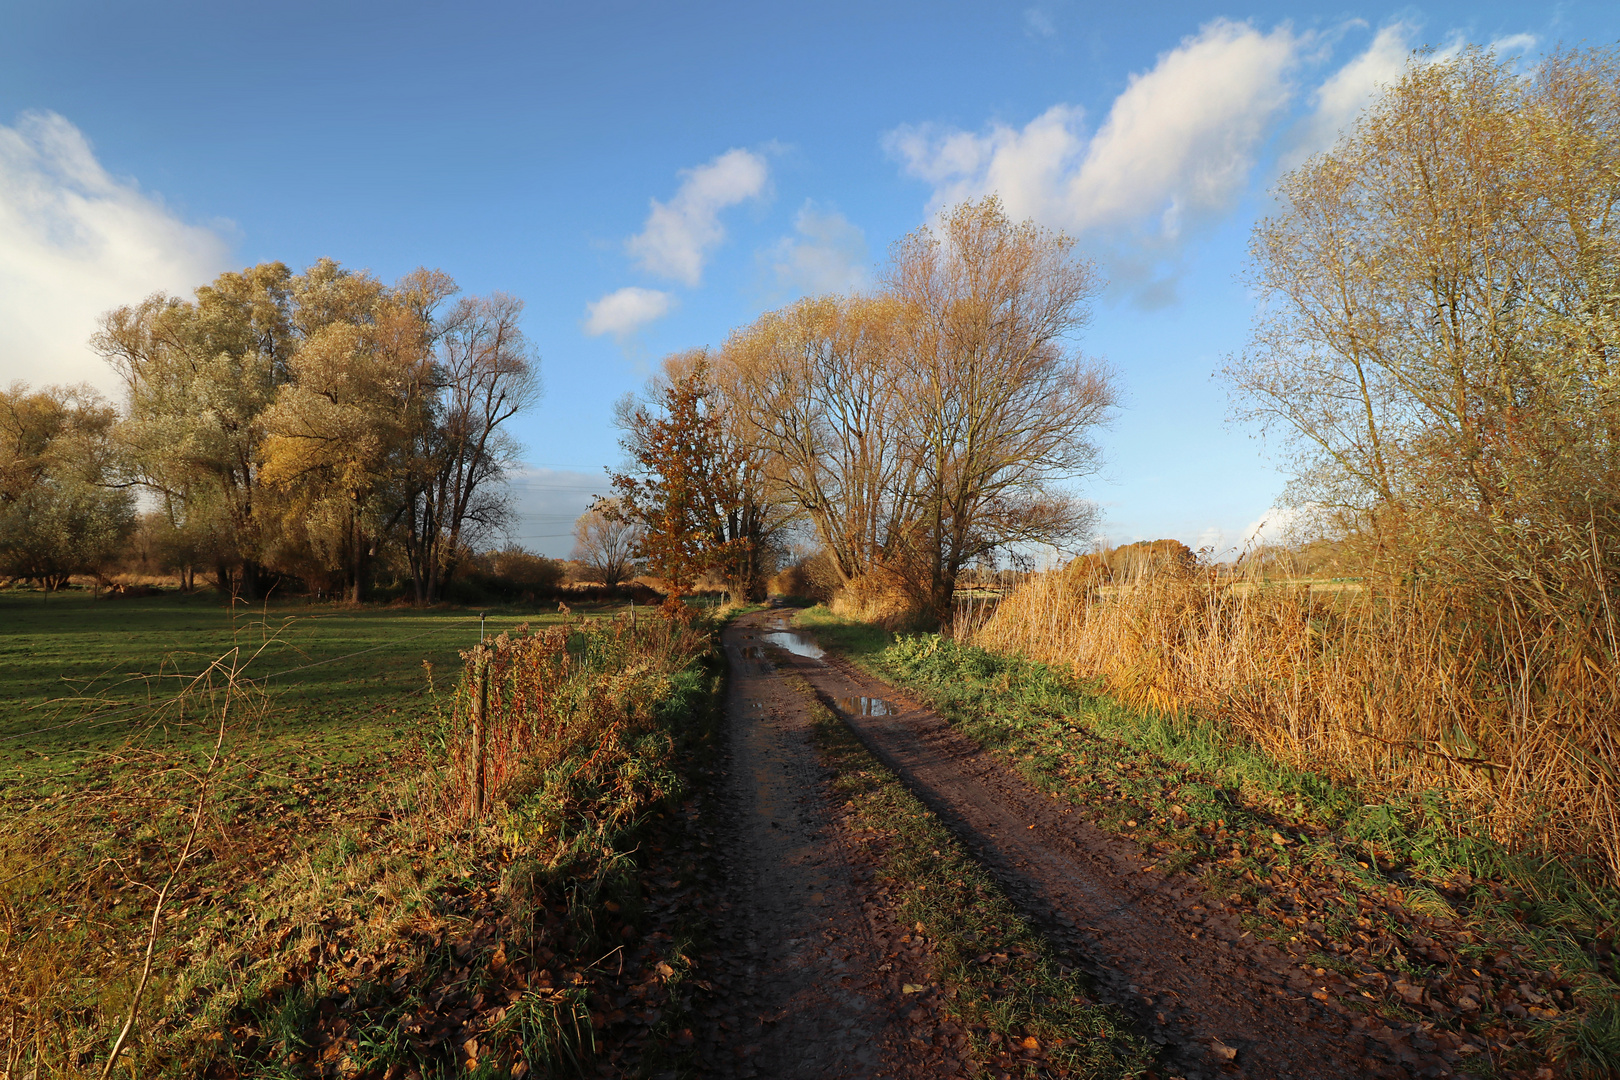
1219,1002
807,983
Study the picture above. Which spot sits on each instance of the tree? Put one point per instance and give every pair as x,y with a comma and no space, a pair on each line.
1437,336
999,409
483,376
339,432
304,421
605,540
63,506
199,376
697,489
825,403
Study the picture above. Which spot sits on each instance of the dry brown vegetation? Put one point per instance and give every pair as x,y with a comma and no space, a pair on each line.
1386,686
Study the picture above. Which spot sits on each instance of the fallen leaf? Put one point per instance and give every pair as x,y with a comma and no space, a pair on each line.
912,988
1221,1051
1030,1043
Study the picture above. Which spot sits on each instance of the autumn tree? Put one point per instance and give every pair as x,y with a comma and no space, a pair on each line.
696,488
199,376
302,422
338,432
605,540
1000,406
64,505
1437,337
825,402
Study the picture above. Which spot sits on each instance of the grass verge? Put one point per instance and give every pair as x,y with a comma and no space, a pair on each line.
1025,1012
1504,962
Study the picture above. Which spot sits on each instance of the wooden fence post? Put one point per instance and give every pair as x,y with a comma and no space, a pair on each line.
480,706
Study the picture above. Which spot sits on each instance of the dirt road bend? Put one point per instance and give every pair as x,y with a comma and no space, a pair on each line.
1218,1001
811,989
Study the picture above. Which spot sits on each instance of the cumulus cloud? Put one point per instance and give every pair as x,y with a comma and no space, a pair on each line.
1178,143
625,311
76,241
828,254
679,234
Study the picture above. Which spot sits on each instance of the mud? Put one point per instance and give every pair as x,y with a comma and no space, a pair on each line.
806,985
1157,944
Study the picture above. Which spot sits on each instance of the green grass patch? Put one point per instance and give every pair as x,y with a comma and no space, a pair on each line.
999,976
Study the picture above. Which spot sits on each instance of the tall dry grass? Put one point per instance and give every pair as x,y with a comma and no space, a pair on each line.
1399,690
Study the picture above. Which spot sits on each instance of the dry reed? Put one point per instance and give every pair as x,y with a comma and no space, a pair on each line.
1399,690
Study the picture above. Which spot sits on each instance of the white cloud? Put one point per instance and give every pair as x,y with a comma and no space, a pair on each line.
1342,96
679,234
1279,525
1178,144
1514,44
75,242
624,312
828,255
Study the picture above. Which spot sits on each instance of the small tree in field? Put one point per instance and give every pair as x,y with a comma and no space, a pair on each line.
697,489
605,540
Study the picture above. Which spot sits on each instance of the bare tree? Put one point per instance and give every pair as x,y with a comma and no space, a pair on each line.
1000,408
825,401
484,375
605,539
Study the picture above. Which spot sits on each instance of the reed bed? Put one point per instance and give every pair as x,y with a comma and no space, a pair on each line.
1402,691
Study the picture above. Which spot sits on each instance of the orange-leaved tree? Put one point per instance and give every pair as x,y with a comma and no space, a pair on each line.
696,490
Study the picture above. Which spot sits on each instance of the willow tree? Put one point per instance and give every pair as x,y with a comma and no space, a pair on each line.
199,376
1000,407
64,506
338,433
1437,340
824,398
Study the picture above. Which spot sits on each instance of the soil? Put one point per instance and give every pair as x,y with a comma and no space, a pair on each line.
804,983
815,994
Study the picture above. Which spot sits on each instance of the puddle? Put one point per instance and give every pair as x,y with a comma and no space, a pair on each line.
753,652
866,706
797,644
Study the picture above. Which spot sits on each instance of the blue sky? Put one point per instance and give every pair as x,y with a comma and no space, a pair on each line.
648,176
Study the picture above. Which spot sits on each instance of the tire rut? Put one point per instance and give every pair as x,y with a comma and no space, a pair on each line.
811,993
1157,944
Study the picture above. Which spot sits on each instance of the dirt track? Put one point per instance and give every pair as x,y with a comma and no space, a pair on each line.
824,996
812,986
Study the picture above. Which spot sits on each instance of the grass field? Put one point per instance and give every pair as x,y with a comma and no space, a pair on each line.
79,675
317,885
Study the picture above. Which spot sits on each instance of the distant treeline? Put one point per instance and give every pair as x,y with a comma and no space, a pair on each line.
322,430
